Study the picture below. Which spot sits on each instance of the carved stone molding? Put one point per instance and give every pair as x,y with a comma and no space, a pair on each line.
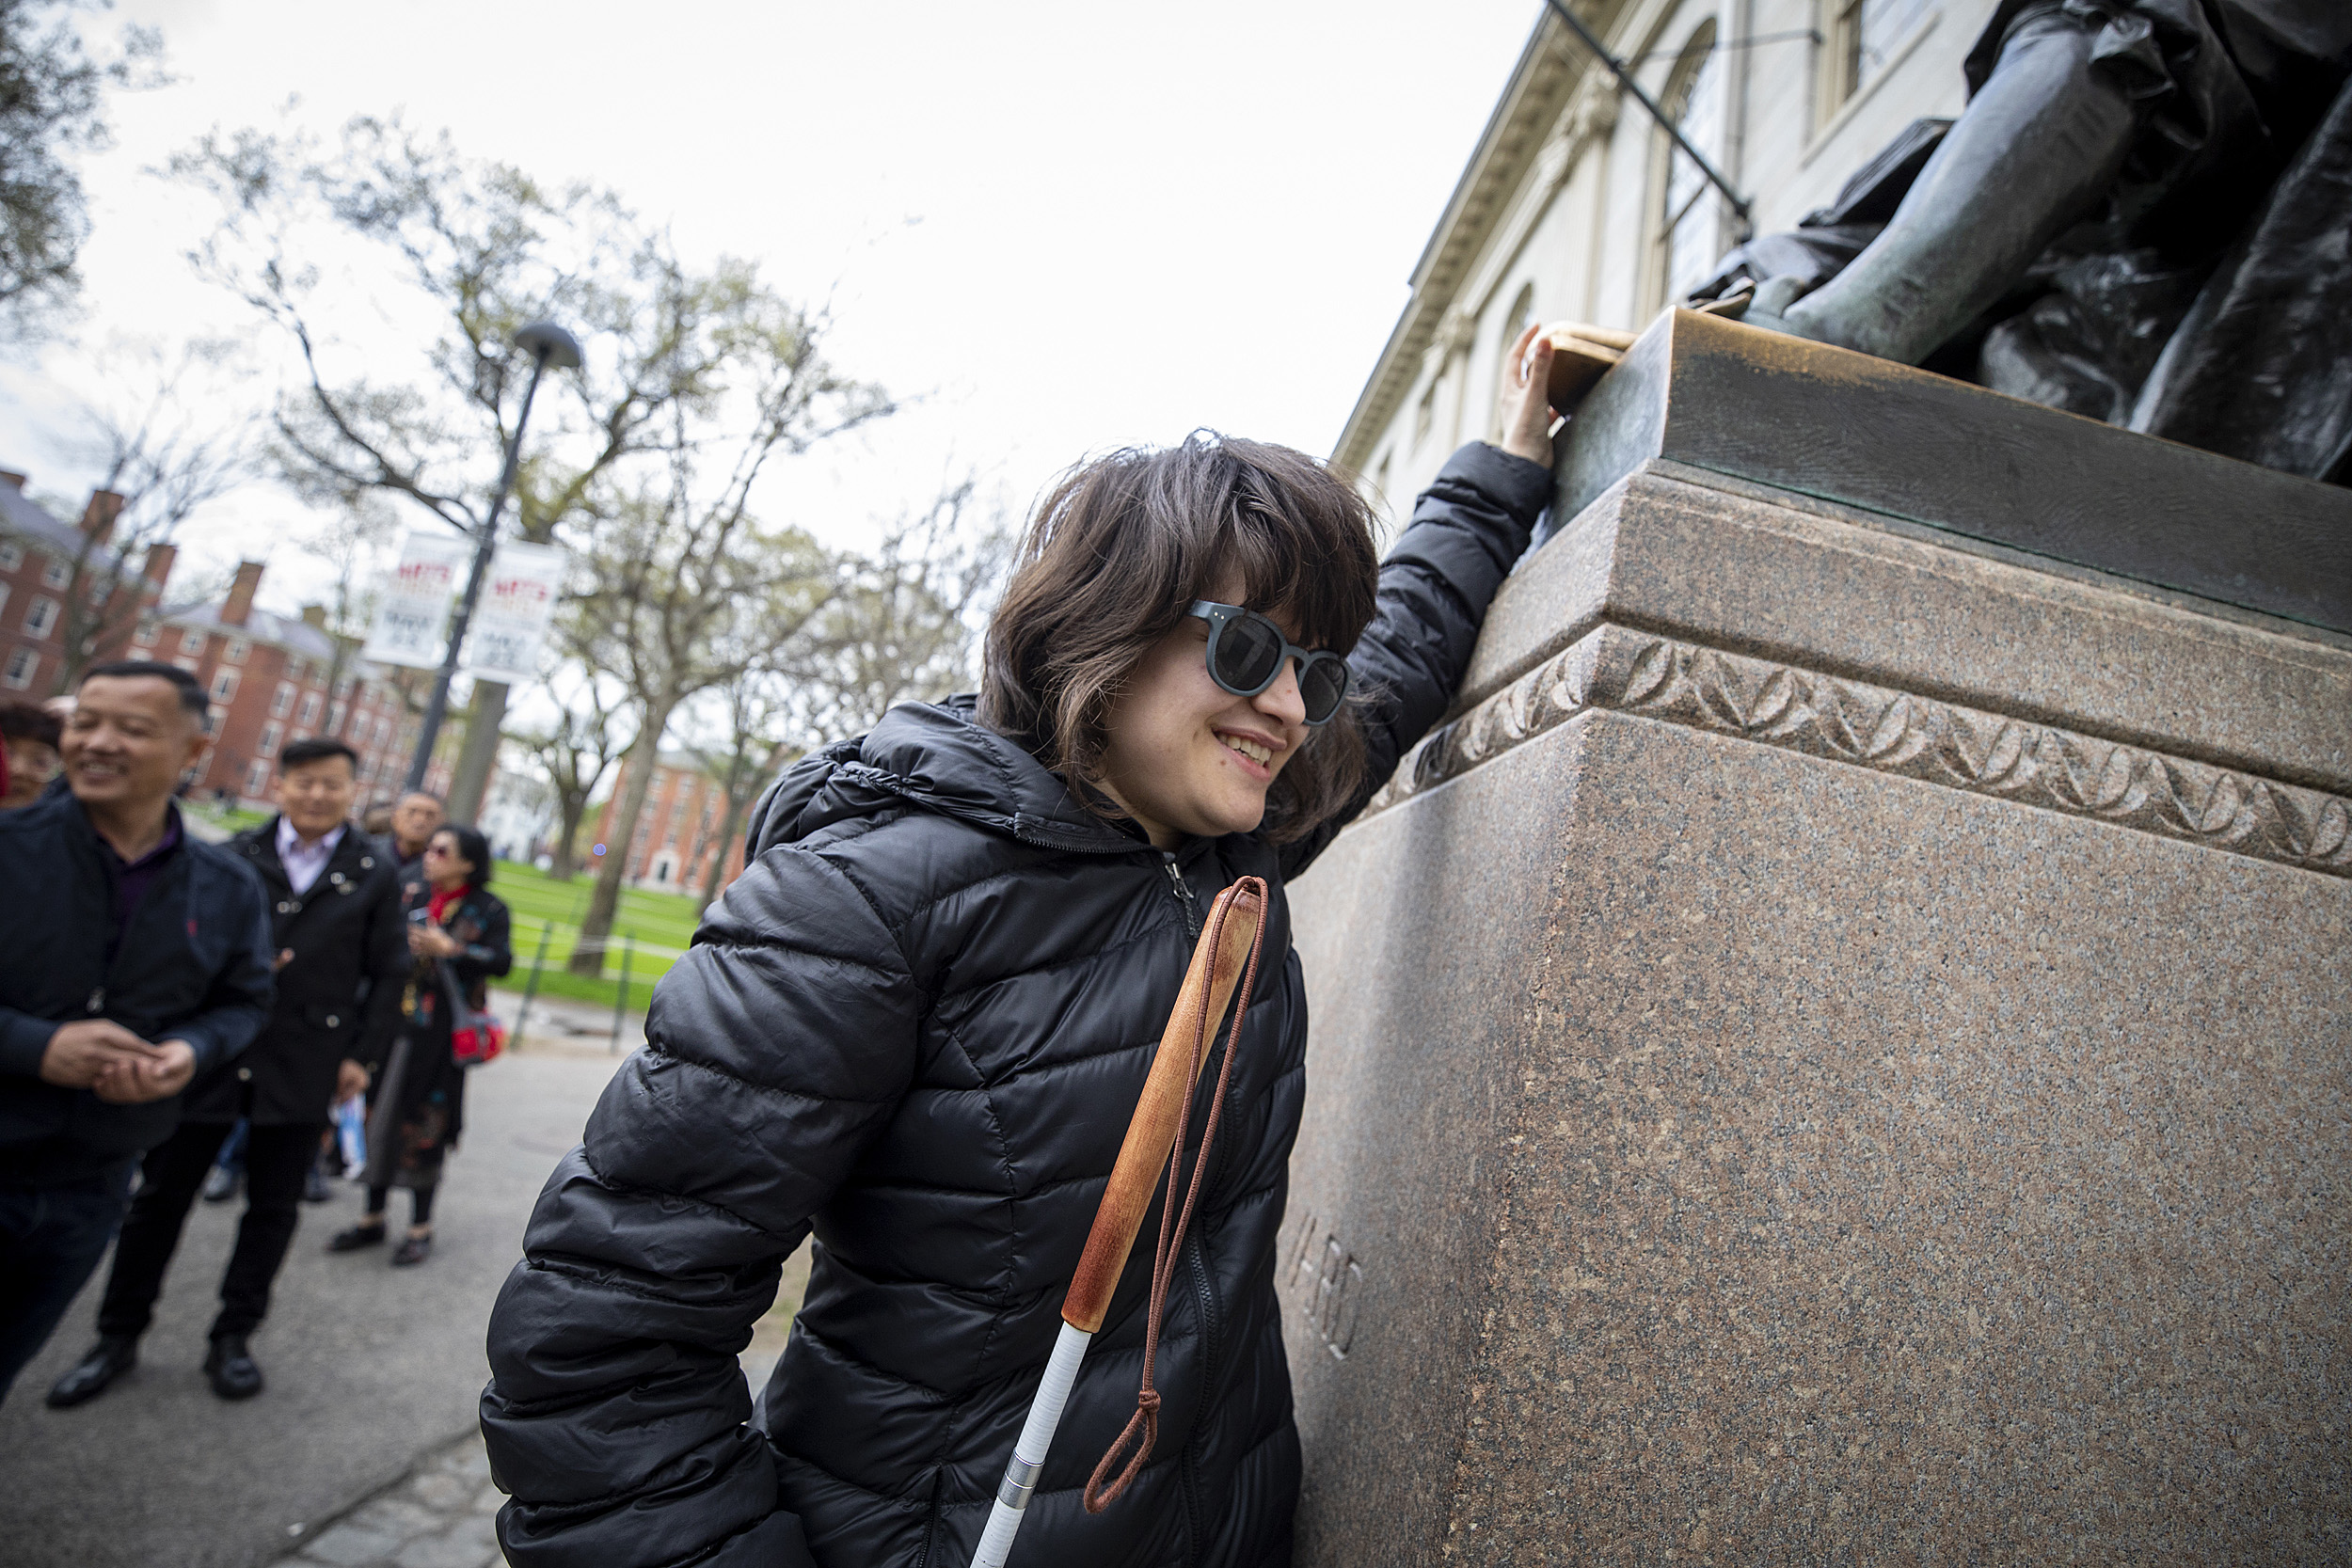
1554,162
1890,732
1457,331
1596,113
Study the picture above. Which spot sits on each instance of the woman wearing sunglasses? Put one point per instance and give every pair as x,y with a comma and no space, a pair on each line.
459,934
918,1024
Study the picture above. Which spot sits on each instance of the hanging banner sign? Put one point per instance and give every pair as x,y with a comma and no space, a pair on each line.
510,624
412,611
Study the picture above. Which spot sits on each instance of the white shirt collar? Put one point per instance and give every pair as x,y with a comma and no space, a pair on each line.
304,862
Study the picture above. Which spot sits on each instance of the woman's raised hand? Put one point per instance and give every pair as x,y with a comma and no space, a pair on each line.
426,943
1526,415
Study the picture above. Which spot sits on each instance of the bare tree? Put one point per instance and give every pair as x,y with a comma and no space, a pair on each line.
350,545
755,709
580,747
680,571
482,249
164,453
906,625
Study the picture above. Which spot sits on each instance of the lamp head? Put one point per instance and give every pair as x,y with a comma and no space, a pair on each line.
549,344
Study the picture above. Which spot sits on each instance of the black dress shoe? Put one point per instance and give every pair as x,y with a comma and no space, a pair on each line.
220,1185
412,1251
91,1376
234,1372
315,1187
351,1238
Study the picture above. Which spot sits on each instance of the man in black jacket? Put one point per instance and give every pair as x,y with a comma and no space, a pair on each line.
136,958
342,953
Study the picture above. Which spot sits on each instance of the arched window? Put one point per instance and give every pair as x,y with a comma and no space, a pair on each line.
1515,322
1862,36
1690,217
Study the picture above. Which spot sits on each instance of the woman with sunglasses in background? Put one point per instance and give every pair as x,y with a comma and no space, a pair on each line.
917,1025
458,934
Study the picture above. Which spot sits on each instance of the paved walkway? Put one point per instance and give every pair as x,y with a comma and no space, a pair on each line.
443,1514
372,1372
362,1451
558,1022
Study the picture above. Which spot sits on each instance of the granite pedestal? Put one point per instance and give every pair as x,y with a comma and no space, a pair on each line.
1838,1051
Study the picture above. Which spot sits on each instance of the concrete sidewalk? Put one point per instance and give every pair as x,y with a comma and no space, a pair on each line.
560,1024
371,1370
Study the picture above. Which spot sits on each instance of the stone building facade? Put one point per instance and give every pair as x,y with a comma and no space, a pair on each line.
1577,206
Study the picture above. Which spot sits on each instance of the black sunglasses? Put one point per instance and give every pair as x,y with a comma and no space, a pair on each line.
1247,653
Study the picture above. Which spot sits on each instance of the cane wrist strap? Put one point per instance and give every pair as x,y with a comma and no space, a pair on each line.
1143,1427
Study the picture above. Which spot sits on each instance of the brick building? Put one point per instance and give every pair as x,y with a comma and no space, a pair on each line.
678,833
274,678
39,560
271,679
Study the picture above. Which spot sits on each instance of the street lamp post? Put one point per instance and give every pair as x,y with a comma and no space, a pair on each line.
548,345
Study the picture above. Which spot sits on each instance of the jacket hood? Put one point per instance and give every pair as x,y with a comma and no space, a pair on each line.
940,756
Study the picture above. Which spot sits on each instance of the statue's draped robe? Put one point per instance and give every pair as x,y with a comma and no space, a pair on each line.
2205,301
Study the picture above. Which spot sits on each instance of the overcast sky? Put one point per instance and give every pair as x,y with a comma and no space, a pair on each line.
1073,227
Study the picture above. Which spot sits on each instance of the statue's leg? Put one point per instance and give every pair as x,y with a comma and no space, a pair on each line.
2036,151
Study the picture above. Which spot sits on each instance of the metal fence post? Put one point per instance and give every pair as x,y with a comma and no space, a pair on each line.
620,998
531,988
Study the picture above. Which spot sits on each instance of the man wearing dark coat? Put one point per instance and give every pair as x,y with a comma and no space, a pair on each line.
138,960
341,952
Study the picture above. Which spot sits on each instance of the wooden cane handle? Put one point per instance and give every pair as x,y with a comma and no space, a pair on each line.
1141,1159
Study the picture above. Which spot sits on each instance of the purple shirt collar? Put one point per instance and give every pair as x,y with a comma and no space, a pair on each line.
141,873
134,878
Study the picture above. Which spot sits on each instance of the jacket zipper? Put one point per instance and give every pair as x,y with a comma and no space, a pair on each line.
1189,1463
1184,895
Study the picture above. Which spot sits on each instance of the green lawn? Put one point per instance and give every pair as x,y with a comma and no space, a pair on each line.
235,819
658,927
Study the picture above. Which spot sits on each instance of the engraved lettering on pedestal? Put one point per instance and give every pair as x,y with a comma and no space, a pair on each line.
1301,1248
1330,1285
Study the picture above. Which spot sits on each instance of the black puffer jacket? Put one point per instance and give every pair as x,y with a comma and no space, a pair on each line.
917,1026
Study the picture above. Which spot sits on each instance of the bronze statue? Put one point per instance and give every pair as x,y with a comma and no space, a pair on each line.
2143,217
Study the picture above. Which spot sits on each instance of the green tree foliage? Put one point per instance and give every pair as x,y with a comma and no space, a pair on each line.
52,107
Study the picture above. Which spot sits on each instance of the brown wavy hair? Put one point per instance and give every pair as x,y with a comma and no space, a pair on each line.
1122,545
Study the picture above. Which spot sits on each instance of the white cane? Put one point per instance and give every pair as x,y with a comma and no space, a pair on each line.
1227,950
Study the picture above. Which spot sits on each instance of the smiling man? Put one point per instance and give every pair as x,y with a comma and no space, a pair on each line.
136,958
342,955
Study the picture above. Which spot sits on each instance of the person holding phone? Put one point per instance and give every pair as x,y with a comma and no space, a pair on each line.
458,941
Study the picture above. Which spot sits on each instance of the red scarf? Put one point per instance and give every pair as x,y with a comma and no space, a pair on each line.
441,902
